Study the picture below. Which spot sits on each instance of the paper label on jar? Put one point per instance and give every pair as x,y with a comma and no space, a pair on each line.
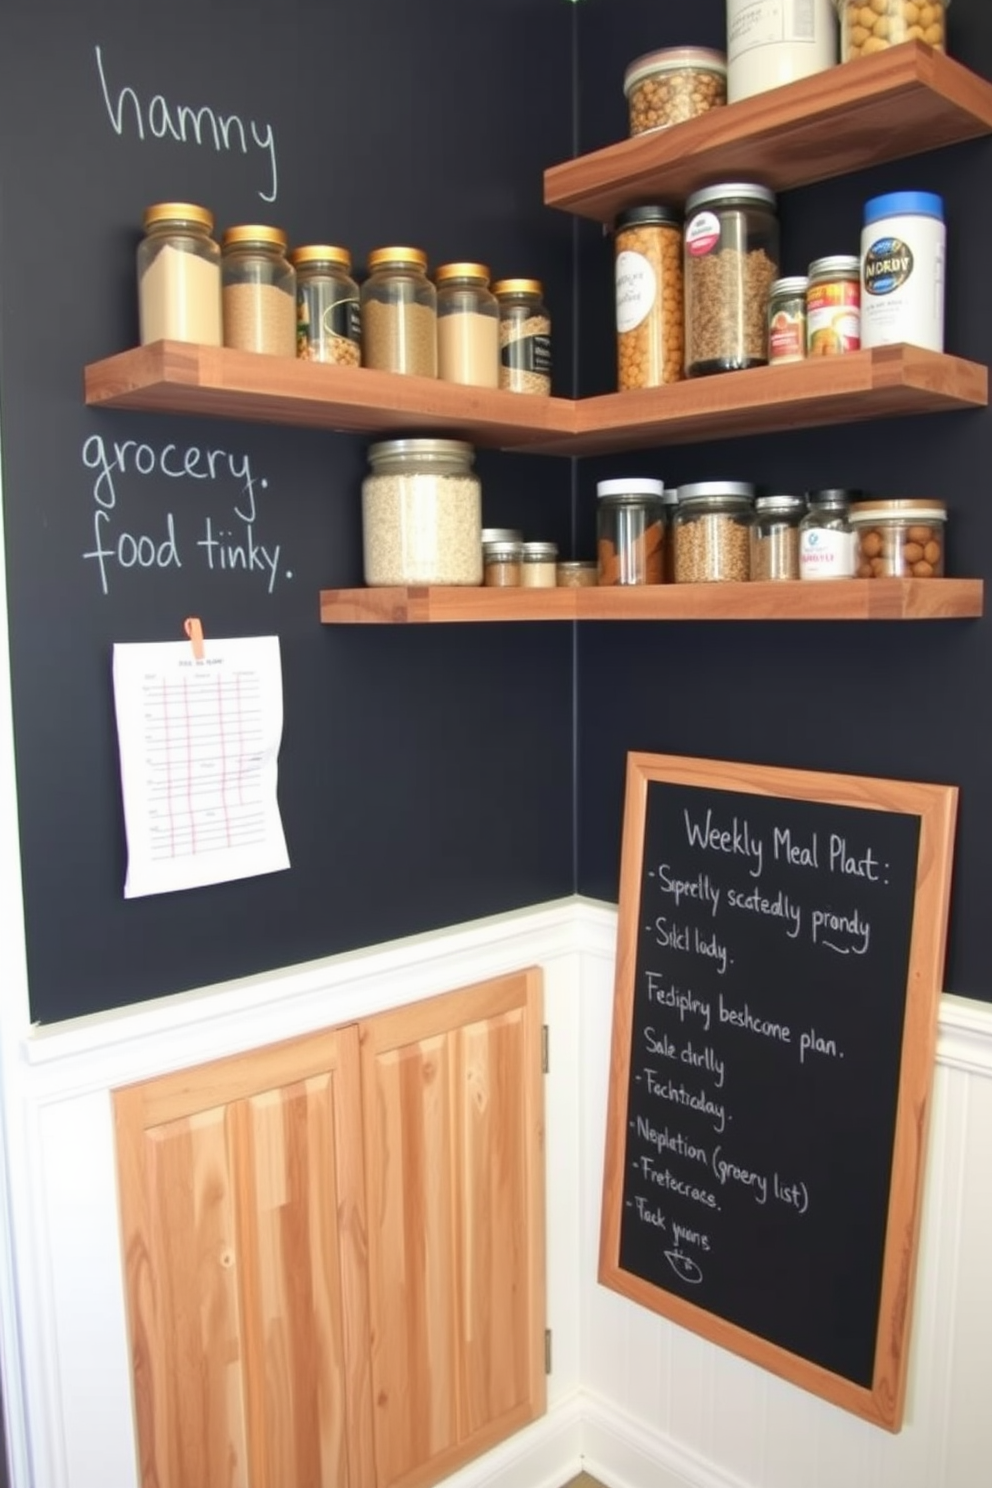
758,23
636,289
834,317
827,554
702,234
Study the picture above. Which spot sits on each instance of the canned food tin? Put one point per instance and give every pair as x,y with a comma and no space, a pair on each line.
833,305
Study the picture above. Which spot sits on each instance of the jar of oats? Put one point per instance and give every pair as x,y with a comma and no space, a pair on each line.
649,305
422,513
259,291
524,336
713,532
868,26
731,262
673,85
328,319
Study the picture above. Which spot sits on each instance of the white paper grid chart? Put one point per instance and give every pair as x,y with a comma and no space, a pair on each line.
199,745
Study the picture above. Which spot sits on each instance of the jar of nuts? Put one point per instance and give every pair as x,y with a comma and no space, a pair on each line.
868,26
900,539
713,532
667,87
730,264
649,304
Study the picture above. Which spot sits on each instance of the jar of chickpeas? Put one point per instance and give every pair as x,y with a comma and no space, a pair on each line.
899,539
668,87
649,303
868,26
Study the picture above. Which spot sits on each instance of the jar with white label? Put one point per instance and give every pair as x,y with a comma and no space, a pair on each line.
902,270
649,303
730,264
827,544
771,42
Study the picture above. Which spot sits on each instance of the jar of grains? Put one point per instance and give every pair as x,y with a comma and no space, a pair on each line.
524,336
871,27
787,320
501,563
577,573
328,319
899,539
649,306
399,313
775,537
713,532
666,87
538,565
731,263
827,544
422,513
833,305
630,531
467,325
259,291
179,276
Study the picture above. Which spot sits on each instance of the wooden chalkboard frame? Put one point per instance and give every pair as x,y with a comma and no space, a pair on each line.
935,806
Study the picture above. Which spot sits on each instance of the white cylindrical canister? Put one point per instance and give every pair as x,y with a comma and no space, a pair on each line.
771,42
902,270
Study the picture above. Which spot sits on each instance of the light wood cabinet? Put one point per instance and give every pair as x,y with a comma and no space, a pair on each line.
334,1249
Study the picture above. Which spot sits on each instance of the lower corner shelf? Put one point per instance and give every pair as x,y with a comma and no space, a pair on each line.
837,599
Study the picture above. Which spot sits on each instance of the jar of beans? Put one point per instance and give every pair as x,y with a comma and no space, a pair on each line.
259,291
399,313
422,513
899,539
630,530
649,304
328,319
731,262
667,87
713,532
868,26
524,337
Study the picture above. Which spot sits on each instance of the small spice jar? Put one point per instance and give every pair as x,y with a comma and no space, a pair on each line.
669,86
871,28
833,305
630,531
775,537
899,539
501,562
259,291
577,573
467,325
422,513
399,313
713,532
328,318
538,565
827,545
649,303
179,276
731,262
787,320
524,336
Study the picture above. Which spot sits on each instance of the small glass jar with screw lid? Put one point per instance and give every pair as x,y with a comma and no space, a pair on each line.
179,276
422,513
833,305
713,532
328,319
630,530
502,562
538,565
467,325
787,320
828,546
399,313
259,291
775,537
524,337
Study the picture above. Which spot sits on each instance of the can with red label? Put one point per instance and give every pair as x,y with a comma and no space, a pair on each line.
833,305
731,261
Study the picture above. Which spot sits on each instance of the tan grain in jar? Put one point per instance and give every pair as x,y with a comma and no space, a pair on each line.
650,317
868,26
899,539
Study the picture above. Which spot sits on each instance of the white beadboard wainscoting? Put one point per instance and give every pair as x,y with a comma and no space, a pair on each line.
633,1399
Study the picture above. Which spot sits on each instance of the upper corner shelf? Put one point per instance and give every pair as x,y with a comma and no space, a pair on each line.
900,102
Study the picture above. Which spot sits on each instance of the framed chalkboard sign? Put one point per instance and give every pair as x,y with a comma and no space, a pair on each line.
780,949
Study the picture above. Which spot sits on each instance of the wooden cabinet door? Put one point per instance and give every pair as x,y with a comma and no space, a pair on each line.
243,1223
454,1160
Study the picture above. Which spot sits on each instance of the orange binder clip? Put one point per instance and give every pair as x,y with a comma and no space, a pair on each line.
194,630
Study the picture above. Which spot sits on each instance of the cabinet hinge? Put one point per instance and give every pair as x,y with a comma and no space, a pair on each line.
545,1049
547,1350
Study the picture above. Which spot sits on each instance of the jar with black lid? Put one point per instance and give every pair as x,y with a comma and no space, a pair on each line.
649,302
328,318
179,276
259,291
399,313
713,532
731,261
828,546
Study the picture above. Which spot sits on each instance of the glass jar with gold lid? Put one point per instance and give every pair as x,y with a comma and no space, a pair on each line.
467,325
259,290
179,276
399,313
524,337
328,318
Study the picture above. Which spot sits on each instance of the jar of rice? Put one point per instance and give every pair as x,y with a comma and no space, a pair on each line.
422,513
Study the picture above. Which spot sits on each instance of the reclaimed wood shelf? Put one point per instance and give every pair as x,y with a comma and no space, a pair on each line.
900,102
176,377
836,599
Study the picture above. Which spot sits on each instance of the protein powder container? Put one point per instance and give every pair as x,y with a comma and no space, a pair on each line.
771,42
902,270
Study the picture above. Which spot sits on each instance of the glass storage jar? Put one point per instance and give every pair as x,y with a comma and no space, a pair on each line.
259,291
328,319
422,513
899,539
538,565
630,531
524,336
867,28
399,313
787,320
577,573
666,87
775,537
179,276
827,545
713,532
501,563
731,263
833,305
467,325
649,303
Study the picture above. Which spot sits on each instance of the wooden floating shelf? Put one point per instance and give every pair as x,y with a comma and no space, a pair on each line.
900,102
837,599
180,378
